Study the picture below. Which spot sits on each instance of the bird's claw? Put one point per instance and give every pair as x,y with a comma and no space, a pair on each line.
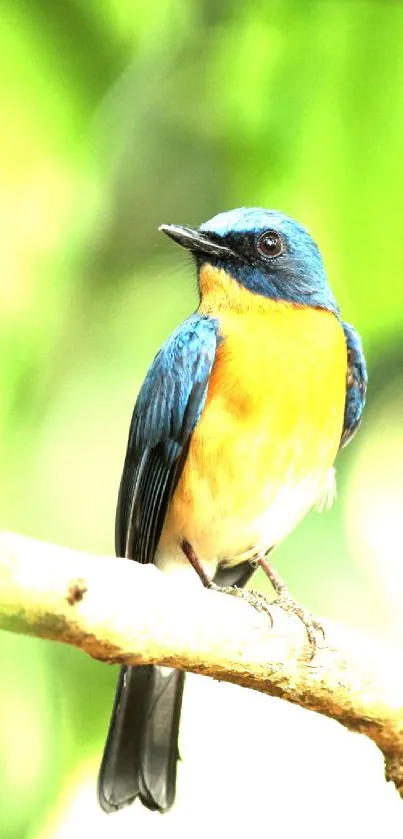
285,602
312,626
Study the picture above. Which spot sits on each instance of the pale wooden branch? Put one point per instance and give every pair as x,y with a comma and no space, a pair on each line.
120,611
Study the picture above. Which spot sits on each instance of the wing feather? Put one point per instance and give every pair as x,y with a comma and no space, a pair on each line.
166,413
356,384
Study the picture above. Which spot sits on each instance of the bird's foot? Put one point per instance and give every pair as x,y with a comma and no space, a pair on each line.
259,602
313,628
286,602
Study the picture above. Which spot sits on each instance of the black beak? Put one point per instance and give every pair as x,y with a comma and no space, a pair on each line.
195,241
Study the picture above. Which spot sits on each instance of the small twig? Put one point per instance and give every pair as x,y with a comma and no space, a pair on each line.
120,611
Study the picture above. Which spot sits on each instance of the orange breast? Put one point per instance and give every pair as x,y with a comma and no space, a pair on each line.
268,435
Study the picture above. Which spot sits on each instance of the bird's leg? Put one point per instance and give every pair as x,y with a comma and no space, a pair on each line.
284,599
286,602
196,565
254,598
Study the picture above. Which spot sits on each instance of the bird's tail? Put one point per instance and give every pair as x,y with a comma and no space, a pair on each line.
141,749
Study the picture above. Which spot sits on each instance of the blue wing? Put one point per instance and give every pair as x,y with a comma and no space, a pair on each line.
166,413
356,384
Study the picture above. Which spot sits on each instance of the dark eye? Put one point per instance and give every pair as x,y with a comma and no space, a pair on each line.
270,243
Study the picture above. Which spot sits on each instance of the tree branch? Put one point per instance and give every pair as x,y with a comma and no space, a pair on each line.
120,611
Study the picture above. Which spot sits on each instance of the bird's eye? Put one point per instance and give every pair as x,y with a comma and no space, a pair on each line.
270,243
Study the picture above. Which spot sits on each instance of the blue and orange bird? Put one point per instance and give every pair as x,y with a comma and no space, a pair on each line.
232,441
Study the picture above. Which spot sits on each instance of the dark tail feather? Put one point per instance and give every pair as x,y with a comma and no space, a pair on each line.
234,575
141,749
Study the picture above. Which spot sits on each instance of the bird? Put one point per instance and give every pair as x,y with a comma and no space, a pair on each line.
232,441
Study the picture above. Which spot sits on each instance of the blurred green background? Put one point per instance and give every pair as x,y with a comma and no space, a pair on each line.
117,116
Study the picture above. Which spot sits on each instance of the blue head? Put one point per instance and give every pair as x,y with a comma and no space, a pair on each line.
267,252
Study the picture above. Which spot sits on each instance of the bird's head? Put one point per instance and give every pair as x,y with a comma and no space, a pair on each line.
263,251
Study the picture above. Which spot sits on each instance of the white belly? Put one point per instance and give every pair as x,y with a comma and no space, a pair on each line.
258,533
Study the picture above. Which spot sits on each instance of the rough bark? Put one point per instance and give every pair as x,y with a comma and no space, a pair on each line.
119,611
